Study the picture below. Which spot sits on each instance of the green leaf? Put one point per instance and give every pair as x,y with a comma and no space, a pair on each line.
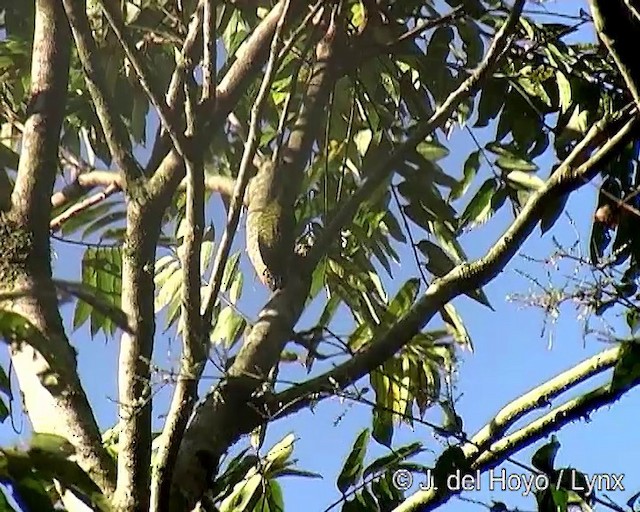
99,293
388,461
33,494
5,383
551,213
94,298
439,264
432,150
362,140
564,91
383,492
544,458
525,180
456,326
405,298
479,209
352,467
4,411
54,444
633,320
244,493
452,422
228,328
383,427
272,500
296,472
627,369
16,328
492,99
471,166
280,452
352,505
516,164
139,118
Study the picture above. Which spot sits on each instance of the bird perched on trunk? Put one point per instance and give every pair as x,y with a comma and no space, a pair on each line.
270,227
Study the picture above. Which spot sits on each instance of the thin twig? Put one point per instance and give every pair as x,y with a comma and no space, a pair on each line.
115,132
57,222
164,112
243,176
381,172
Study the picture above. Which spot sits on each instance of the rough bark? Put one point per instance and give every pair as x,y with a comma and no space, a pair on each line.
46,365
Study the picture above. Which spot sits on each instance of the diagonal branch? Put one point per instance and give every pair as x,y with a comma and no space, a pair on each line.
540,397
440,116
57,222
164,112
618,30
114,130
244,69
503,447
111,182
574,172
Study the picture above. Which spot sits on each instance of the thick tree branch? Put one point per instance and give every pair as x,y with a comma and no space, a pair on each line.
194,351
45,111
115,132
618,29
45,365
262,347
502,447
216,425
136,347
245,68
209,54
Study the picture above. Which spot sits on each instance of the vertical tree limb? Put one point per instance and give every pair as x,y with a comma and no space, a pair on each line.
219,414
245,68
617,28
195,342
46,372
210,53
134,386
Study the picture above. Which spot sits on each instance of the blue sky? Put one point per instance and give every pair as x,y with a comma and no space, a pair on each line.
510,358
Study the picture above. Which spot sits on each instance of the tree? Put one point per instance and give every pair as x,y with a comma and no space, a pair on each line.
320,127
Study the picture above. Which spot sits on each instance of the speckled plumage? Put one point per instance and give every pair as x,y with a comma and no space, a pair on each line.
269,228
